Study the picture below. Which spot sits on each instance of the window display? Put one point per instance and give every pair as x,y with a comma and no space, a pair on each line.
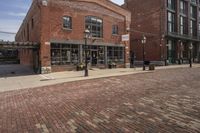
64,54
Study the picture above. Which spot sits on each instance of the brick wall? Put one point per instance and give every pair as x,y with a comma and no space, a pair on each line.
29,31
148,18
48,23
26,57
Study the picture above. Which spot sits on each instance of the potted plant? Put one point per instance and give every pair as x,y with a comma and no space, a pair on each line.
114,65
110,64
80,67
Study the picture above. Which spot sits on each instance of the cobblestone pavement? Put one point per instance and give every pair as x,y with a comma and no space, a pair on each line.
166,101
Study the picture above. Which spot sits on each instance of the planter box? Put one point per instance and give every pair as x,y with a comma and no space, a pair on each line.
151,67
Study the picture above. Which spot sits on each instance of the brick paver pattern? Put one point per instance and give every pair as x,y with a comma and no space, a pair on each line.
164,101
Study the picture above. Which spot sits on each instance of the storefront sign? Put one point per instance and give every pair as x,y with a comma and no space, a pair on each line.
125,37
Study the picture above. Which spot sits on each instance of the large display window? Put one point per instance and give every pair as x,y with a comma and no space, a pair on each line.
64,54
68,54
115,54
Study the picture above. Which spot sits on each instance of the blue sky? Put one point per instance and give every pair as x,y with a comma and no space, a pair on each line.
12,13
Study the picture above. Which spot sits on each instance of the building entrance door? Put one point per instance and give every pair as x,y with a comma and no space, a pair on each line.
94,58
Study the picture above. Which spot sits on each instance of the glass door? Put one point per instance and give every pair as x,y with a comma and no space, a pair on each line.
94,57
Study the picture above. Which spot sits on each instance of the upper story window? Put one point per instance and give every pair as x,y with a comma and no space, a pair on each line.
24,35
183,25
115,29
193,11
28,32
193,28
199,28
67,22
183,7
32,23
171,22
171,4
194,1
199,13
95,25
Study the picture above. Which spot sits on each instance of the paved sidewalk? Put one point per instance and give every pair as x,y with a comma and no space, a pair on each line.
32,81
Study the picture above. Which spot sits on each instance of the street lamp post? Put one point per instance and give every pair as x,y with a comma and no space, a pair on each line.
144,39
181,53
161,47
87,33
190,61
167,54
161,56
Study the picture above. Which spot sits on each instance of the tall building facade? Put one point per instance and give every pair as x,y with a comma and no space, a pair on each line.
59,25
172,28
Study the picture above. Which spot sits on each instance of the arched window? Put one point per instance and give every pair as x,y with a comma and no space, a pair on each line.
95,25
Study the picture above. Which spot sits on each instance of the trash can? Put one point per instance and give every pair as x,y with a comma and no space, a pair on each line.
151,67
146,63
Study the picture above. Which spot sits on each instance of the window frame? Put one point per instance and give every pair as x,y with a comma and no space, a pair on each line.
193,11
115,29
116,54
183,25
64,54
32,23
171,4
171,24
95,27
70,21
193,28
183,7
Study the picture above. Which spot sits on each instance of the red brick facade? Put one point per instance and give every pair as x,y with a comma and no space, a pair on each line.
150,18
44,24
147,18
26,57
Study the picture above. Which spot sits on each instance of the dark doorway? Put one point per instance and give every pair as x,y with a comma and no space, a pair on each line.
15,57
94,58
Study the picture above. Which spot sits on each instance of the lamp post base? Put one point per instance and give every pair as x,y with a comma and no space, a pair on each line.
190,63
191,58
165,62
86,72
144,68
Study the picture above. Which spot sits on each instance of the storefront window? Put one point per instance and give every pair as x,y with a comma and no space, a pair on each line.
68,54
171,51
63,54
74,54
115,54
101,55
95,54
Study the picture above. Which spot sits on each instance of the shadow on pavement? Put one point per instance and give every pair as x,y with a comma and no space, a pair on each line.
13,70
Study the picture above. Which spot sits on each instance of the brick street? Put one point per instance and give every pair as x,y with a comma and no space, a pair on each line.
164,101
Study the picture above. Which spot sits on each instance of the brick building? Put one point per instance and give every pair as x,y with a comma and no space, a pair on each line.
170,26
59,25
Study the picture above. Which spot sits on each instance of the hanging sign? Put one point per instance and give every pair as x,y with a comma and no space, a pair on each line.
125,37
